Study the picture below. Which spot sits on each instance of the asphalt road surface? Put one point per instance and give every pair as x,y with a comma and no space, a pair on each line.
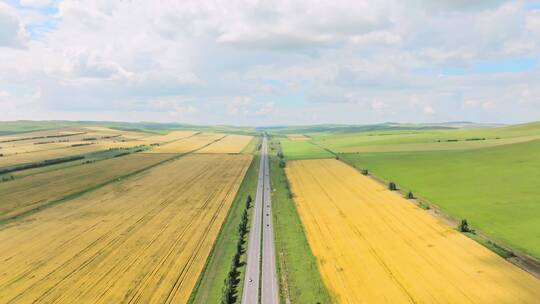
261,253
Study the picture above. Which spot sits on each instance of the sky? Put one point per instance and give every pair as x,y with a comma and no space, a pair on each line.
270,62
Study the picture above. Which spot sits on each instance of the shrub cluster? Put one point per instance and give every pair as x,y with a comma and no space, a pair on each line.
231,281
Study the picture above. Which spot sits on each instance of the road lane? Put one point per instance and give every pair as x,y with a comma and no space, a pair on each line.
269,290
261,253
250,293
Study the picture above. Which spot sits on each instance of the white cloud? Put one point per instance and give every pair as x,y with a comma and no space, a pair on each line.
378,106
255,62
36,3
428,110
12,33
294,24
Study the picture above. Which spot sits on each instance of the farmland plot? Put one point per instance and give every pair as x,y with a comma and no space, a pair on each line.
373,246
58,133
24,194
142,240
188,144
38,147
297,137
171,136
229,144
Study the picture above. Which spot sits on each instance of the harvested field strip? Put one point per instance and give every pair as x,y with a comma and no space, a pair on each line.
297,137
22,195
43,155
169,137
188,144
58,133
23,158
374,246
143,240
229,144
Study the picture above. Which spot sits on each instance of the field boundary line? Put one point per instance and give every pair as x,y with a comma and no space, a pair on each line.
77,194
521,260
174,156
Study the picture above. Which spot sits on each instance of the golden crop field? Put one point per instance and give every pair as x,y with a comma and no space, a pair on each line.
15,148
297,137
23,158
30,135
30,192
141,240
29,157
171,136
95,139
188,144
373,246
229,144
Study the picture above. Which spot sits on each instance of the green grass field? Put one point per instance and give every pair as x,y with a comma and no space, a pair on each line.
297,268
210,285
302,149
495,188
426,139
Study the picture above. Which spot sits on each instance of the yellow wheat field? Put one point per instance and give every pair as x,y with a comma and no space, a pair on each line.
79,141
30,192
188,144
297,137
229,144
372,246
171,136
31,135
141,240
64,151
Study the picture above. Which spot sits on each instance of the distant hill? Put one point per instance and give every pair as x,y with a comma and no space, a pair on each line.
387,126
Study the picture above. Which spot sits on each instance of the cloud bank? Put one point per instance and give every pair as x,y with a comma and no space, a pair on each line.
279,62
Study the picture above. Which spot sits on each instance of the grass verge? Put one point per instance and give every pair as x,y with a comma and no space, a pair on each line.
299,277
252,146
501,251
211,281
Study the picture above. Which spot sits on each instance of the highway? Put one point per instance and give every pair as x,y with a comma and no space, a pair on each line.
261,260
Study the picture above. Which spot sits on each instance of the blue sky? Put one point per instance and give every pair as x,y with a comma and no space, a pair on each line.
260,63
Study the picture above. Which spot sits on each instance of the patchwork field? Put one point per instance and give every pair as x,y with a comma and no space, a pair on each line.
229,144
141,240
495,189
46,145
56,133
188,144
425,139
374,246
31,192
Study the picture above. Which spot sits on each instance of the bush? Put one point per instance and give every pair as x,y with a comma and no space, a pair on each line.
364,172
392,186
248,201
464,226
282,163
410,195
